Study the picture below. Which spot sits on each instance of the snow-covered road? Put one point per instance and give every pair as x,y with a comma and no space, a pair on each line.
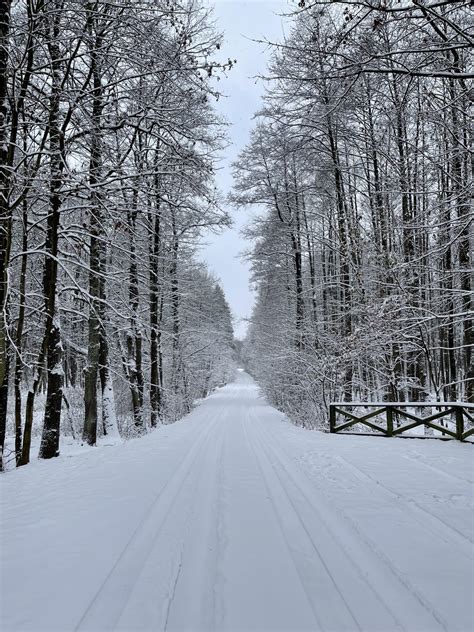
233,519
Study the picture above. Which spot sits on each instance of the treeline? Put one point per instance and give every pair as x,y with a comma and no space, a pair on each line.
363,259
108,142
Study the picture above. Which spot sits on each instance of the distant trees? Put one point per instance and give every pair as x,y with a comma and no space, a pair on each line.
361,156
107,146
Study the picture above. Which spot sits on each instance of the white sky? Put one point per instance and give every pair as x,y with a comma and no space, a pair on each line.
240,21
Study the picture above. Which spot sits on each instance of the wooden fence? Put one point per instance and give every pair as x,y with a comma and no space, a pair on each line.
387,418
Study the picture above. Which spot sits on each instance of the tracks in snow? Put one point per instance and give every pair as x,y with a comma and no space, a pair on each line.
180,554
351,583
247,523
119,586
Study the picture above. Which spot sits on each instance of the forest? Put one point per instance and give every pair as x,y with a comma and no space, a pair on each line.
361,157
109,141
361,253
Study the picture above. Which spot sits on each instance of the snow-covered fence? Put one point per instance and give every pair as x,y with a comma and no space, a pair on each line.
456,420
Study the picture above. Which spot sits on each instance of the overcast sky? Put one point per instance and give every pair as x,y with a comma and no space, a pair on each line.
241,21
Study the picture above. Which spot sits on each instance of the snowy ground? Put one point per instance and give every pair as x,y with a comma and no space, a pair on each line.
233,519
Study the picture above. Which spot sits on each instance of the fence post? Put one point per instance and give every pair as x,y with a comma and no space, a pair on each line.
459,422
332,418
389,421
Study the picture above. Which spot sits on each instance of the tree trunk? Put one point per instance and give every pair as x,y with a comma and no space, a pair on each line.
52,416
156,301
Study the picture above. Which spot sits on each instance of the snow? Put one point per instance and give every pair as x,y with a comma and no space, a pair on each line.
233,519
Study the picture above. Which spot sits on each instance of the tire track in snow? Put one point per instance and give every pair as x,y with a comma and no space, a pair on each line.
262,588
117,584
221,508
174,532
331,557
302,536
346,528
199,555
